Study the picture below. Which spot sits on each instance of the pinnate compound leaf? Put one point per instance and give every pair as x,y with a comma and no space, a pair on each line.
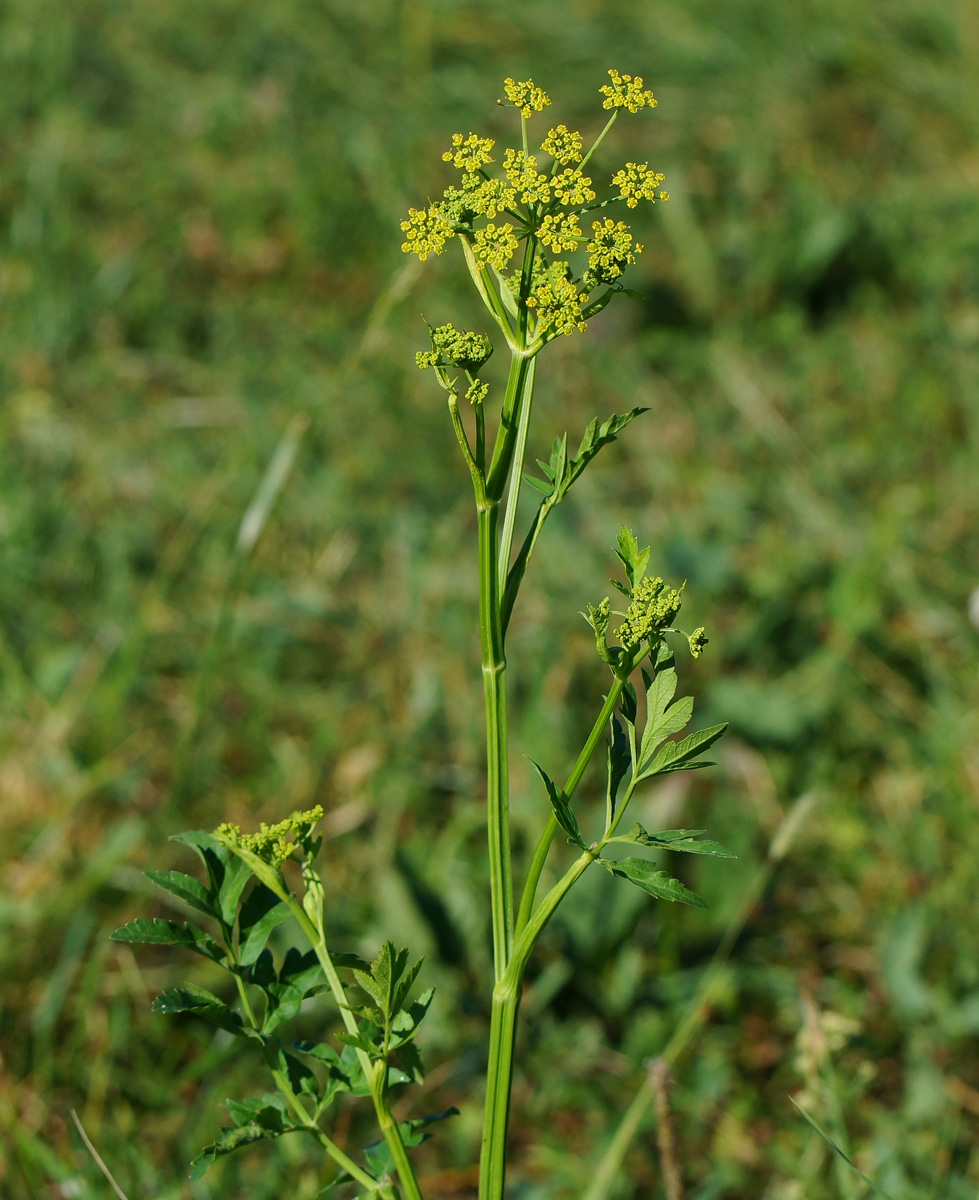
657,883
186,888
676,756
675,718
157,932
686,840
563,813
595,437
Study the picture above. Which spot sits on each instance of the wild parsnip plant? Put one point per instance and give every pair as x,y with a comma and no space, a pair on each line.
545,258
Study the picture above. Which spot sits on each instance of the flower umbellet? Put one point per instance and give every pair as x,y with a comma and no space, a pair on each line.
544,263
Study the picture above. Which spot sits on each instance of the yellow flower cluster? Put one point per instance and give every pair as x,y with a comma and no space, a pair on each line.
494,246
493,196
521,171
274,843
611,249
654,607
636,182
563,144
426,231
697,641
626,91
560,231
556,302
526,96
572,188
471,154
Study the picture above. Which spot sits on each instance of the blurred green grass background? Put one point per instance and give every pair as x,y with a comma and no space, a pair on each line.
200,250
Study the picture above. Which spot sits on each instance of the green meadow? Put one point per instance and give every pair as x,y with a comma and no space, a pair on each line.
236,576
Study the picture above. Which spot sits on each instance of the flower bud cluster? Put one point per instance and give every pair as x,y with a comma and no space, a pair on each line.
654,608
274,843
467,350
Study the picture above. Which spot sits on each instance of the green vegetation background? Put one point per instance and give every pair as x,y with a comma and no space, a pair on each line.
199,219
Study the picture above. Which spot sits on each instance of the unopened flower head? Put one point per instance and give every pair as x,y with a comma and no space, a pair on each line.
451,348
572,188
636,182
564,144
610,250
426,231
494,246
526,96
274,843
654,608
698,640
477,392
470,154
626,91
521,170
560,231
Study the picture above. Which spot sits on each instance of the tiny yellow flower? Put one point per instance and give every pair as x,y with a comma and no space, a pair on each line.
626,91
559,231
563,144
572,188
521,171
526,96
636,182
426,232
470,154
494,246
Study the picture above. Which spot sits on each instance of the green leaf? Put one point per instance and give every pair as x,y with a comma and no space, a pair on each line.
657,883
197,1000
406,1022
562,808
215,857
156,932
410,1058
187,888
675,718
267,1111
259,915
236,875
346,958
685,840
233,1139
833,1146
595,437
632,558
676,756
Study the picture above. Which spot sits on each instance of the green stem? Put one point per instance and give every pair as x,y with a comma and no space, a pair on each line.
520,366
497,763
598,141
525,403
503,1025
550,829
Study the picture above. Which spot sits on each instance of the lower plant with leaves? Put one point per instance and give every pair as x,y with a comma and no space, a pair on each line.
250,890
